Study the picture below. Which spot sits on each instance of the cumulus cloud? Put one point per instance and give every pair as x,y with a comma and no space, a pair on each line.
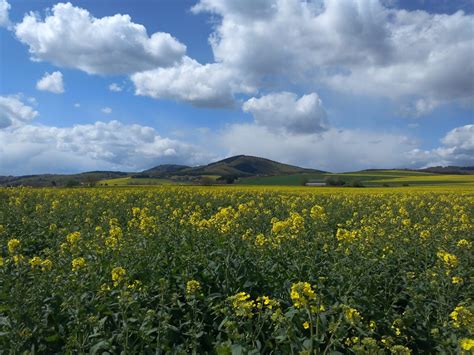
51,82
209,85
284,110
332,150
102,145
14,112
71,37
107,110
4,10
359,46
457,149
115,87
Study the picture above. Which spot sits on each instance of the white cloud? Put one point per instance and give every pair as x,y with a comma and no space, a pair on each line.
357,46
107,110
419,107
14,113
210,85
457,149
71,37
284,110
115,87
331,150
51,82
4,9
98,146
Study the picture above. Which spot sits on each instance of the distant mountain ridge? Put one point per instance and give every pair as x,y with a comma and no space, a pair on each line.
239,166
165,169
247,165
457,170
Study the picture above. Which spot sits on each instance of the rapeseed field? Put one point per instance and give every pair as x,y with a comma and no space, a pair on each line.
236,270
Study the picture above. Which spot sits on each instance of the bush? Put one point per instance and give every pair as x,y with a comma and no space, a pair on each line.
72,183
334,181
356,183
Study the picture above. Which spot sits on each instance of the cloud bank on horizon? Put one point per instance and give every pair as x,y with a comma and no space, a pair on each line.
281,68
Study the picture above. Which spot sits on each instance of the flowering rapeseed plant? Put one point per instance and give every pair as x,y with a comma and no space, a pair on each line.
103,270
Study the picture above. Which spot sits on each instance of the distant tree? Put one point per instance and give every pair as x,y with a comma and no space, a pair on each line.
228,179
72,183
53,183
356,183
206,180
91,180
334,181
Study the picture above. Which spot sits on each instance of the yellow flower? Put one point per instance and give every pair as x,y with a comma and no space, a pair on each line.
13,245
352,315
78,263
463,243
111,242
462,317
35,261
305,325
118,275
46,265
18,258
73,238
425,234
104,287
449,260
135,285
192,287
343,235
266,302
466,344
242,304
400,350
301,294
260,240
406,222
457,280
318,212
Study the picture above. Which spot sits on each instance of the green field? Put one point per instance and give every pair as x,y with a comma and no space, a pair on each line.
129,181
367,178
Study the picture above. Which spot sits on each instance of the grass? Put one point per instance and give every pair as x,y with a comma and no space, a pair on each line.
430,179
369,178
129,181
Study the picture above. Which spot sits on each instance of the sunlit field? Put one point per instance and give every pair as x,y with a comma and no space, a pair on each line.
182,269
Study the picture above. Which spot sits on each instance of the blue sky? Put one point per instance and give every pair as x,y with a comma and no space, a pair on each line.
333,85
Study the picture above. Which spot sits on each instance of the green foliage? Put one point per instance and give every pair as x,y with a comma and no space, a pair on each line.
235,270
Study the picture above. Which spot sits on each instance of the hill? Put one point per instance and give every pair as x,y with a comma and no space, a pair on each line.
164,169
234,167
456,170
246,165
248,170
42,180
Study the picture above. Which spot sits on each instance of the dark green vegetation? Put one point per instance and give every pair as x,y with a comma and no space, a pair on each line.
278,270
228,170
247,170
243,165
87,178
362,178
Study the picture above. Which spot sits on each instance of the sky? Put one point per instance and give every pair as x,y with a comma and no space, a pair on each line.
336,85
